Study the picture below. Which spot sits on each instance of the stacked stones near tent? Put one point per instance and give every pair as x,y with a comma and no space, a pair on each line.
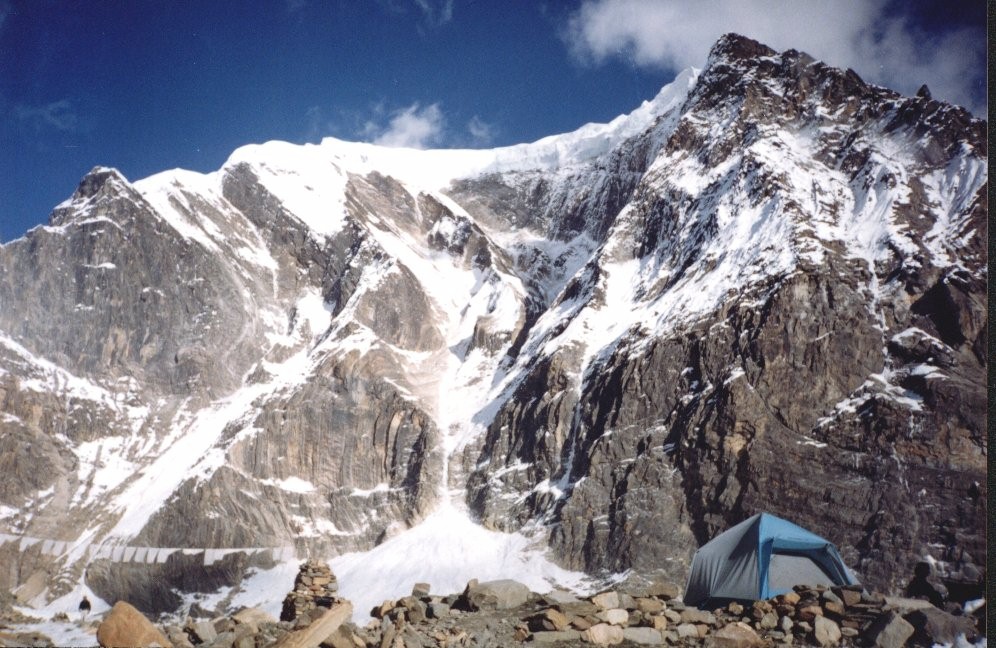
314,587
506,613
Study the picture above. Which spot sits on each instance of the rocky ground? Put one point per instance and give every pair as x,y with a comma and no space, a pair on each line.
506,613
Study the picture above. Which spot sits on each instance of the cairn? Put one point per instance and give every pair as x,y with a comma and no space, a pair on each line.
315,586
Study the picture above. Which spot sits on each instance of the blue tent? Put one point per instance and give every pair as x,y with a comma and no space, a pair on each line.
762,557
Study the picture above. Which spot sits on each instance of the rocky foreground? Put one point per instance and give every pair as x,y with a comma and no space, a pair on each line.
506,613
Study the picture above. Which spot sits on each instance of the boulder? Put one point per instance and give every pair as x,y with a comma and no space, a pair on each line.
606,600
617,616
224,640
343,637
905,604
549,619
768,622
834,608
603,634
126,626
583,623
202,632
828,596
687,630
438,610
692,615
496,595
826,632
319,630
734,635
253,618
934,626
658,622
809,612
556,636
560,597
849,596
889,631
643,636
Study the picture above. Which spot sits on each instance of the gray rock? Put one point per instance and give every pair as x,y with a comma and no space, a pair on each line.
643,636
438,610
734,635
617,616
607,600
203,632
603,634
828,595
692,615
768,622
496,595
555,636
889,631
561,597
826,632
223,640
932,626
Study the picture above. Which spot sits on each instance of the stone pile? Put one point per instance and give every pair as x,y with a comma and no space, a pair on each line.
314,587
655,615
507,613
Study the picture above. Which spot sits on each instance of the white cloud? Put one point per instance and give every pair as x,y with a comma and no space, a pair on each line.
436,12
481,132
860,34
58,115
411,127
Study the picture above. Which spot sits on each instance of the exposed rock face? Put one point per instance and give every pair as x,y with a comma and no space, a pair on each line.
800,391
125,626
763,290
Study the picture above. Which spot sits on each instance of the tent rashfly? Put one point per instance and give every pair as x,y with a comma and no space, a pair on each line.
762,557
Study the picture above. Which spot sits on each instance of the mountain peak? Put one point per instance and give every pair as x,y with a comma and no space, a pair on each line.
96,179
734,46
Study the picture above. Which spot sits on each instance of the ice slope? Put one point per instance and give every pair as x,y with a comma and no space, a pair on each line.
446,550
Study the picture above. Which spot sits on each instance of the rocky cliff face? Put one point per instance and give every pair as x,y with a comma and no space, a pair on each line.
762,290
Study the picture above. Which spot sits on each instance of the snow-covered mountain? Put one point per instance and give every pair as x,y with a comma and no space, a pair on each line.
764,289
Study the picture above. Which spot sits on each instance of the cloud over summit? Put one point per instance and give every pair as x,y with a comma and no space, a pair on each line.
883,46
412,127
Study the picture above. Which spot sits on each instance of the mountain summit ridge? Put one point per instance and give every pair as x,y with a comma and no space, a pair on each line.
762,290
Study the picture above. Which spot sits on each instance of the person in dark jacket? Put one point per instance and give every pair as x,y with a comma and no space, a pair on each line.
84,607
921,589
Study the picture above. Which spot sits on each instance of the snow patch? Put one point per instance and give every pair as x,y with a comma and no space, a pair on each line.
446,550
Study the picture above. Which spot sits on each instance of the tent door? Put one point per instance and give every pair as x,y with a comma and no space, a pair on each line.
788,569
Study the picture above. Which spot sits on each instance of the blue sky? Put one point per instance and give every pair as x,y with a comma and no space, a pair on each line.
146,85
